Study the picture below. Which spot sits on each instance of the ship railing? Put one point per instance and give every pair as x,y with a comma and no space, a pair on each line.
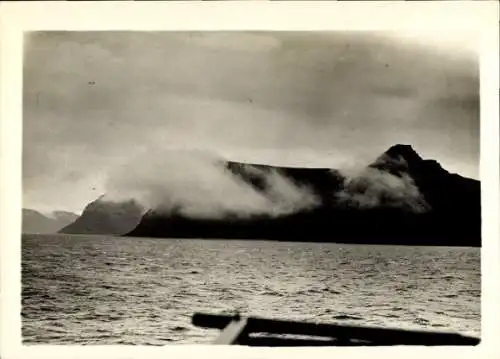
253,331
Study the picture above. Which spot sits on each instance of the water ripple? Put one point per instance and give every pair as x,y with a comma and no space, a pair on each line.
103,290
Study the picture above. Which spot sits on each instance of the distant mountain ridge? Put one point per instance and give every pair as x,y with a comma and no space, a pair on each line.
106,217
34,222
400,198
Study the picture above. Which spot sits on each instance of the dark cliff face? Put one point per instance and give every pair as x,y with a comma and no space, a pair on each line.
35,222
106,217
399,199
321,181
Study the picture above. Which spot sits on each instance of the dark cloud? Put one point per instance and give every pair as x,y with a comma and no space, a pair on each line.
400,92
468,103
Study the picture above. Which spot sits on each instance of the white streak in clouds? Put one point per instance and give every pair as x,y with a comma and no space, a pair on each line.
285,195
369,187
198,185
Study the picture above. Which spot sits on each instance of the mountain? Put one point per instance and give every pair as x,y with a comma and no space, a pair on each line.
35,222
400,198
106,217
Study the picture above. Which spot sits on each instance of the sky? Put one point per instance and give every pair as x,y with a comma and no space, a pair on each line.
96,103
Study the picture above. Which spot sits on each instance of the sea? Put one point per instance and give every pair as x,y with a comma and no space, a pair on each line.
100,290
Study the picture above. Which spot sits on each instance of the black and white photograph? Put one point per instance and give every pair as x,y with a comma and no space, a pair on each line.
252,188
176,184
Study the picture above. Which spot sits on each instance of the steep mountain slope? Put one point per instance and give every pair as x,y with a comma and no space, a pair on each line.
400,198
35,222
106,217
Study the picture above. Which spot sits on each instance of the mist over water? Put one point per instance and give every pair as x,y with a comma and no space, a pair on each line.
110,290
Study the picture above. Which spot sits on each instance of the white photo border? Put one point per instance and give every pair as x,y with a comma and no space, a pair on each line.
19,17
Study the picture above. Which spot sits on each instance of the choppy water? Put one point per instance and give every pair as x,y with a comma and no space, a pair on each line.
109,290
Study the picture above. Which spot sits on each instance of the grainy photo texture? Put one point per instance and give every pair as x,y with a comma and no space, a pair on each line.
253,188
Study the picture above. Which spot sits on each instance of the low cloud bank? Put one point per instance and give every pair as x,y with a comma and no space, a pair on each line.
199,185
375,186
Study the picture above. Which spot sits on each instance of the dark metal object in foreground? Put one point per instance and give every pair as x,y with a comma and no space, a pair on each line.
242,331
